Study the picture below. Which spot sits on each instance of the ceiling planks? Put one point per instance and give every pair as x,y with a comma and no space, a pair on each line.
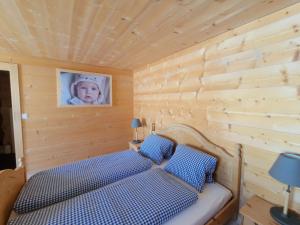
122,34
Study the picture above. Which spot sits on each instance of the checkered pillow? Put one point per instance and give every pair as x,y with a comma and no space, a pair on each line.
192,166
157,148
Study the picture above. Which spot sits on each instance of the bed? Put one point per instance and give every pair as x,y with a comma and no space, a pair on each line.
228,173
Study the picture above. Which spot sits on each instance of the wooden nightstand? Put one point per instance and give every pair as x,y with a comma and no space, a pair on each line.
135,147
257,211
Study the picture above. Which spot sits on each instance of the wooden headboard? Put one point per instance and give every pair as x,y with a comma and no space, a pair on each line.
228,172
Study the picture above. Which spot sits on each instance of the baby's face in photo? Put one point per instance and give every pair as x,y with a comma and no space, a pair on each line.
87,91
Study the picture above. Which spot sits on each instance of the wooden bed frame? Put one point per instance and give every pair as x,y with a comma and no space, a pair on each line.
228,173
11,182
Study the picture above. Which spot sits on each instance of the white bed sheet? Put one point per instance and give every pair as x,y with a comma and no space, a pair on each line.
210,201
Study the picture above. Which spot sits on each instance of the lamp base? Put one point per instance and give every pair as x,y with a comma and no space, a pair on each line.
291,218
136,141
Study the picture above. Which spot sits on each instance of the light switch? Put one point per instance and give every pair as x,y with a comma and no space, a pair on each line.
24,116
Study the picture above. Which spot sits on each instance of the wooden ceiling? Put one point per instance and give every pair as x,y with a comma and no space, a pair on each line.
119,33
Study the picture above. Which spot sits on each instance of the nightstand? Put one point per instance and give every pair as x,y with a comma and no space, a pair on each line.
256,211
133,146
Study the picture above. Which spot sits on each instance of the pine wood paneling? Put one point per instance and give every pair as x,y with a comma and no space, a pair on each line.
123,33
54,136
239,87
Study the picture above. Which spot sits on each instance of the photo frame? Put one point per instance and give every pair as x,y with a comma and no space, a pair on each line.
83,89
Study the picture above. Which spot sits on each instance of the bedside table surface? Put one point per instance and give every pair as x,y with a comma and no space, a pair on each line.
258,210
134,146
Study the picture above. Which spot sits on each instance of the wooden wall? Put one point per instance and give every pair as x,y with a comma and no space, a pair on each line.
240,87
54,136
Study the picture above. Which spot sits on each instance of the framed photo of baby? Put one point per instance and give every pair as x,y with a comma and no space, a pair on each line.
77,88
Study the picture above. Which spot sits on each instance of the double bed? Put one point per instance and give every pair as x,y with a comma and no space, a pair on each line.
215,205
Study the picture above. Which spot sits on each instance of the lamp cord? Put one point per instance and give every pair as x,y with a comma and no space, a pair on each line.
286,200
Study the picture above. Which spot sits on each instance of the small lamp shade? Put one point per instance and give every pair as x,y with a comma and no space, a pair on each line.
286,169
135,123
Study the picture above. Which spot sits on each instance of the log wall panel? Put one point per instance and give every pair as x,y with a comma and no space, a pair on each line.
240,87
54,136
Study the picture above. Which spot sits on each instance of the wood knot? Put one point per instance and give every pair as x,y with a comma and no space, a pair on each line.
296,55
296,28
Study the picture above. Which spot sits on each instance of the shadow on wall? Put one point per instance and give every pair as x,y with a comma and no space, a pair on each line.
7,156
6,120
1,128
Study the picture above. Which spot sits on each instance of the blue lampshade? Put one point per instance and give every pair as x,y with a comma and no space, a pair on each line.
135,123
286,169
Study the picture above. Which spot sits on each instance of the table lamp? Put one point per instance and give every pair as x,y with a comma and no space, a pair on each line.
286,169
135,123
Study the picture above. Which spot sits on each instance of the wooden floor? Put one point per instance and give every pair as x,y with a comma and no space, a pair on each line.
7,161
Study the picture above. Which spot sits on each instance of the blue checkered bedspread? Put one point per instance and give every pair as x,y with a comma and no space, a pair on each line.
151,197
64,182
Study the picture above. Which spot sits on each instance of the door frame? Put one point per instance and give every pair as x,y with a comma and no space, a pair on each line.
16,109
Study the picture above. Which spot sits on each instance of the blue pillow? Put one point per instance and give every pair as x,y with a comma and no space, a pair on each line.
192,166
156,148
